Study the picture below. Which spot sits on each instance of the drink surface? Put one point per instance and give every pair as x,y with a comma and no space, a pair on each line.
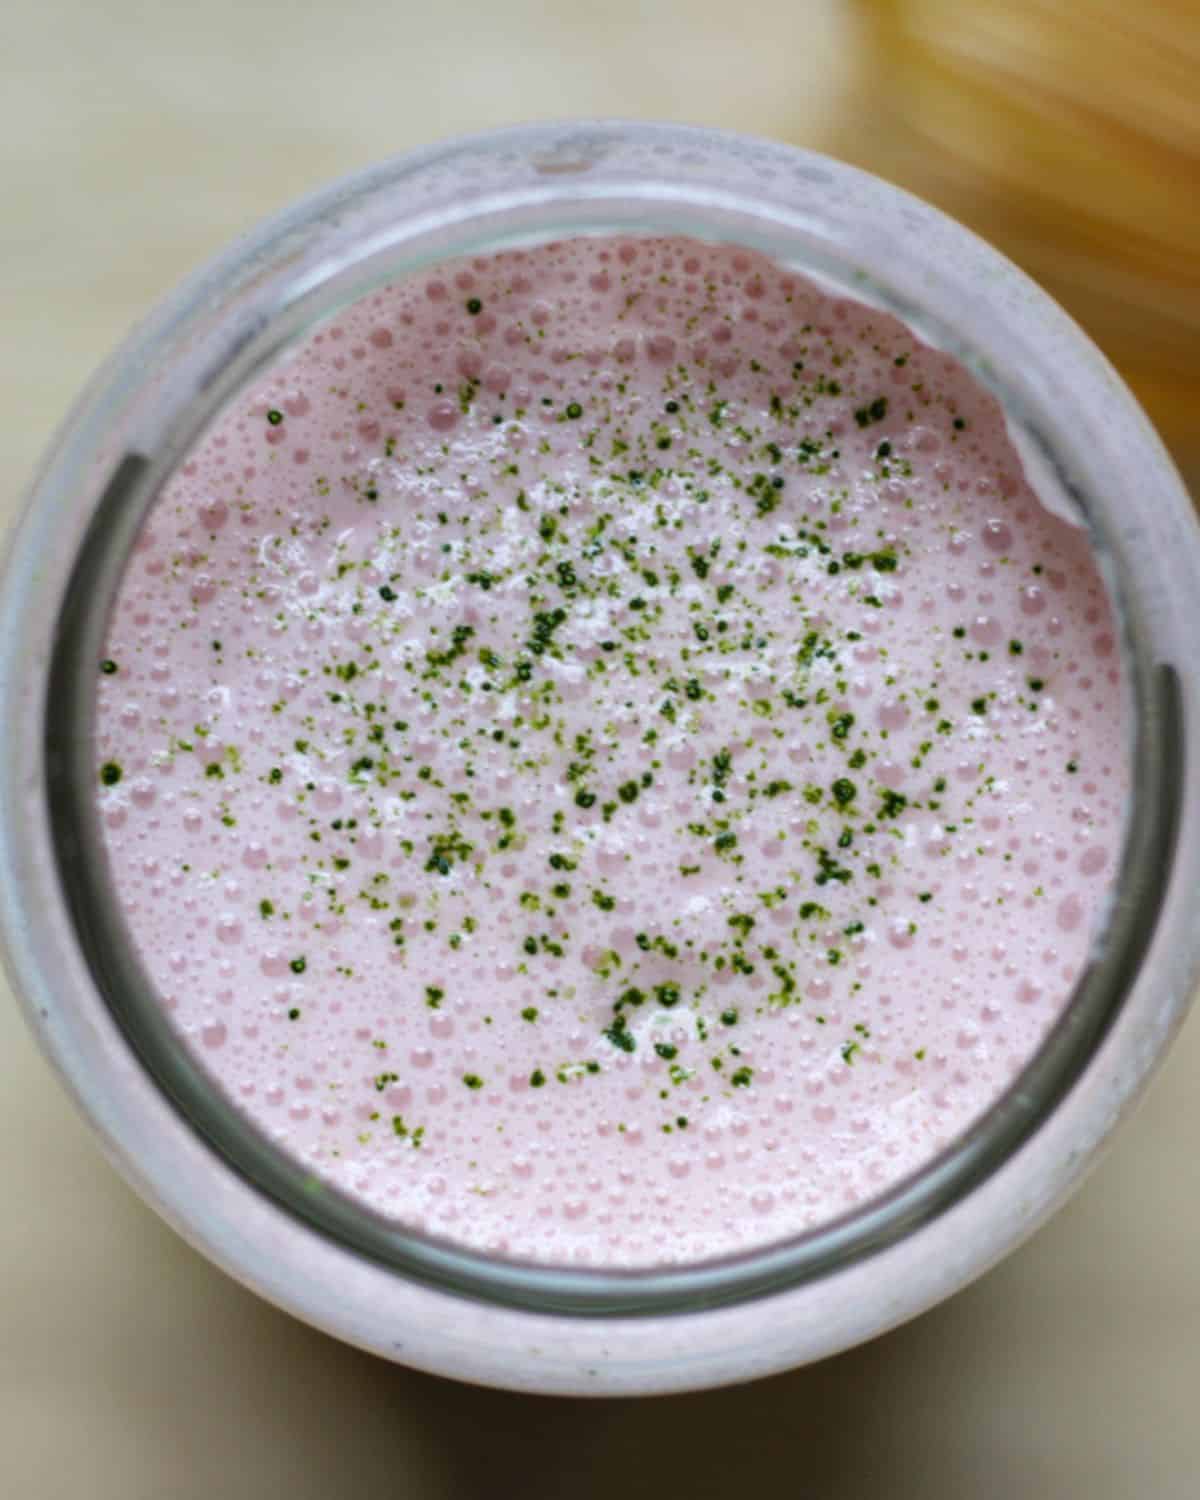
605,757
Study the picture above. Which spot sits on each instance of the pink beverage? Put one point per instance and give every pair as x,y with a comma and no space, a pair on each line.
606,757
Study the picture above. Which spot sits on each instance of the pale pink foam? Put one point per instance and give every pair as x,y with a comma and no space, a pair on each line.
560,835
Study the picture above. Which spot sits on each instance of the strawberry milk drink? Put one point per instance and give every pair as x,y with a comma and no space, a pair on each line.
605,757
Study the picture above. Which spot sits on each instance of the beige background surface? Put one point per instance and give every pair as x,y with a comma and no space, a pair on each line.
135,139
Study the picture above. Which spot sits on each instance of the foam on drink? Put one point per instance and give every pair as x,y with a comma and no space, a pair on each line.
604,755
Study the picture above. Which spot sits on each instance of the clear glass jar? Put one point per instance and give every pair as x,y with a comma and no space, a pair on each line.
1088,448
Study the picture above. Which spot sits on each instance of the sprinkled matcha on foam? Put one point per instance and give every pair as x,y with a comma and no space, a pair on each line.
617,719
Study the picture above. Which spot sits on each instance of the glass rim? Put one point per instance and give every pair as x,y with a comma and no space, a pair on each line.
571,203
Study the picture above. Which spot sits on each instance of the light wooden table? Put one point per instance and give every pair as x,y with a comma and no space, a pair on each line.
135,141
